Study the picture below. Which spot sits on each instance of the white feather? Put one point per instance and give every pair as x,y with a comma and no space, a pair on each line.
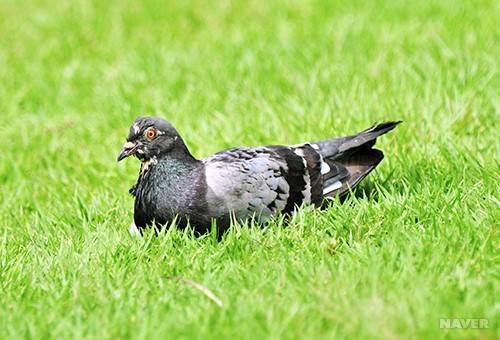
325,168
299,152
134,231
332,187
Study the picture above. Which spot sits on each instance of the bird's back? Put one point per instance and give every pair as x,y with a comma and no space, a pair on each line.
264,181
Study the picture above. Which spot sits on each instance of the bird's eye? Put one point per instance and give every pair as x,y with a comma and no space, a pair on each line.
150,133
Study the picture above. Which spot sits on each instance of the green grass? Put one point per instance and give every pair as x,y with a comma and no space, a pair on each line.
418,242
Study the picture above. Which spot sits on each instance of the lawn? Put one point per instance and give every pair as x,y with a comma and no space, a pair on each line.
417,242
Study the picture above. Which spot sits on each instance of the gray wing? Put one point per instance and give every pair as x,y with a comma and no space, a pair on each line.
246,182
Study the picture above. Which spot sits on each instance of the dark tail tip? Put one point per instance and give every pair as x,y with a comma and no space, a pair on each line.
367,137
384,127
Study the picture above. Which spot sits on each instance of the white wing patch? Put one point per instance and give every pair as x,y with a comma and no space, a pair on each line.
325,168
332,187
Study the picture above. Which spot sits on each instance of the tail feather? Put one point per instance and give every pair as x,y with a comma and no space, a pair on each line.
368,137
334,148
350,159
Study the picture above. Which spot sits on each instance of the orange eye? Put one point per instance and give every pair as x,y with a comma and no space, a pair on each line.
150,133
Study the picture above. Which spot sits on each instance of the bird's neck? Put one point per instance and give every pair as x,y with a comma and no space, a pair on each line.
171,164
165,188
177,159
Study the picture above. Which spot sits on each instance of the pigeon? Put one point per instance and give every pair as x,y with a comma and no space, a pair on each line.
238,184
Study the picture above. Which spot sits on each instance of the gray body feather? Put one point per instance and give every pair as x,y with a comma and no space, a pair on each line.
246,181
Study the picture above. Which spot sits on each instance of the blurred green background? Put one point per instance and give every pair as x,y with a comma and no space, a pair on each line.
419,243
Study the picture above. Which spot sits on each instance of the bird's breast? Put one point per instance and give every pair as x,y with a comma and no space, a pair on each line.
165,192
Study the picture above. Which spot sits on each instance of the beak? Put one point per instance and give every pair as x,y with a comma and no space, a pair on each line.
128,149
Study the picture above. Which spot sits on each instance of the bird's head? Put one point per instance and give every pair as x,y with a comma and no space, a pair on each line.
151,137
